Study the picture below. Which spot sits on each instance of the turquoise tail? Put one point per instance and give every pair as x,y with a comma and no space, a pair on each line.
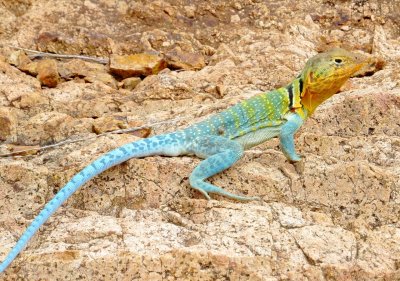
170,144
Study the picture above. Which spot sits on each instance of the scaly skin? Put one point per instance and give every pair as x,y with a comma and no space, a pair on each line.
222,138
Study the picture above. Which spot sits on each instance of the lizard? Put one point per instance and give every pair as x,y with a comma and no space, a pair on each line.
222,138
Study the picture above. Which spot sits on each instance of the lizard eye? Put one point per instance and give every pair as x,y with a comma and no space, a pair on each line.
338,61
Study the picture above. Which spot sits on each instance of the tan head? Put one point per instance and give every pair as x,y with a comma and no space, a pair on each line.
325,73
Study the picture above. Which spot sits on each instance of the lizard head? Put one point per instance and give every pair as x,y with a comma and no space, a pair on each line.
325,73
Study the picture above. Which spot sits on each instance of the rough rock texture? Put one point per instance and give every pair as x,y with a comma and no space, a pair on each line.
183,60
48,73
136,65
335,216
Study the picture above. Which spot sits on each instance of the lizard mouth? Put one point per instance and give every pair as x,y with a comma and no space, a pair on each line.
365,67
362,64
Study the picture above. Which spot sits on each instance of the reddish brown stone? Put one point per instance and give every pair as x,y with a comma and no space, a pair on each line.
5,126
136,65
177,59
47,73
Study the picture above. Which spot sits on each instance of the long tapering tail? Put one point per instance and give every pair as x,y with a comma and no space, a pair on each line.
170,144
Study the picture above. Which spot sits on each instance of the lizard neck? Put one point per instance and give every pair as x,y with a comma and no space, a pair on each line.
295,91
312,100
313,97
316,91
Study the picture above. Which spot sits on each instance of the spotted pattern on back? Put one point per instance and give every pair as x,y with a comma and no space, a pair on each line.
263,110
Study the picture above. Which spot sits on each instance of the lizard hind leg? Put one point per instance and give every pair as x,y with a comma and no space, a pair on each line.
220,153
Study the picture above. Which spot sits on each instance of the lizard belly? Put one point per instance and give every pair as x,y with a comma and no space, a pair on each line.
256,137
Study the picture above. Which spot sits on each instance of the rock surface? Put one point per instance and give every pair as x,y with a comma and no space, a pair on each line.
48,73
177,59
130,83
136,65
334,216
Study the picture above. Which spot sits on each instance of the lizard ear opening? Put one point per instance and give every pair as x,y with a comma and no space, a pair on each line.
311,77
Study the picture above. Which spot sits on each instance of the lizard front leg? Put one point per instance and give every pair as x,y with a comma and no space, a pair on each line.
286,136
220,153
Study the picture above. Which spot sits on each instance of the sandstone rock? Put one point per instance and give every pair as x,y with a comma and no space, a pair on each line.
15,84
31,68
235,19
177,59
32,100
190,11
63,41
23,62
186,84
18,58
89,71
46,127
108,124
130,83
105,78
320,244
333,217
136,65
8,123
48,73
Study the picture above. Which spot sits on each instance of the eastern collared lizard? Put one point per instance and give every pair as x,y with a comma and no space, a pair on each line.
221,139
